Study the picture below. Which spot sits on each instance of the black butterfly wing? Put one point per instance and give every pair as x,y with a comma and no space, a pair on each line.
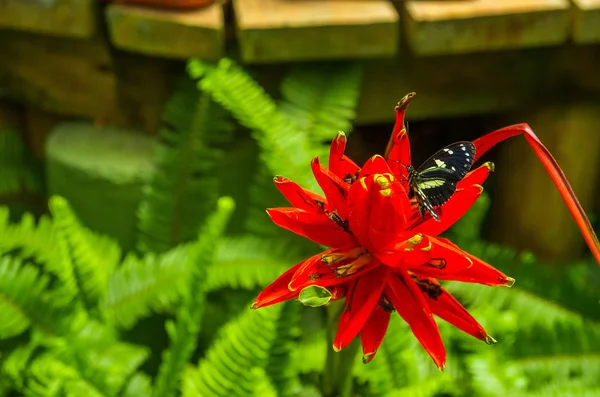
457,157
436,178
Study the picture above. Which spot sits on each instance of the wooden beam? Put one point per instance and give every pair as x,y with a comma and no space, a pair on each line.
586,27
450,27
271,31
168,33
528,211
70,18
60,75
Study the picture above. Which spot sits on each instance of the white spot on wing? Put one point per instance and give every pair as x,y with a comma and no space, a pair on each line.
440,163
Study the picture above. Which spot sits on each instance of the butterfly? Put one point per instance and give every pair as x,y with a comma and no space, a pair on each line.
434,182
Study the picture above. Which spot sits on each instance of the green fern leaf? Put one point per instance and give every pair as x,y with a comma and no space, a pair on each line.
241,345
143,286
250,262
183,188
26,300
139,385
283,149
281,369
183,332
321,98
92,259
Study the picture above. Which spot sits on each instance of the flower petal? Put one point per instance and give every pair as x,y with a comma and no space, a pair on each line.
375,165
445,259
397,152
449,213
446,307
298,196
314,226
487,141
278,290
480,272
340,164
332,267
389,205
363,297
359,210
477,176
410,251
372,333
336,190
407,299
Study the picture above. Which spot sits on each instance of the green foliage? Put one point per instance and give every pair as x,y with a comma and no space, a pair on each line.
184,188
18,172
242,345
78,317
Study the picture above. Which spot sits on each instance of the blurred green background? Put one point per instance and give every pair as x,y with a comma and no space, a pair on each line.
133,184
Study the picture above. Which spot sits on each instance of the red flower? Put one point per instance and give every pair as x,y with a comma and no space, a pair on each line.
384,257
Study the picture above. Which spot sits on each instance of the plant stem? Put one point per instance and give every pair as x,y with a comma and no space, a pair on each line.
337,378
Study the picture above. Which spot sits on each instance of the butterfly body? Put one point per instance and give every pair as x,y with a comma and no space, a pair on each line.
434,182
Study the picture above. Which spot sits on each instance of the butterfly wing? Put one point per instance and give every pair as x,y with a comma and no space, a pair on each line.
436,178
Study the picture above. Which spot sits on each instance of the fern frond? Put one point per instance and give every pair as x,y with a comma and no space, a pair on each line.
79,247
241,345
17,172
183,332
283,149
183,188
321,98
90,361
249,262
281,369
140,384
27,300
142,286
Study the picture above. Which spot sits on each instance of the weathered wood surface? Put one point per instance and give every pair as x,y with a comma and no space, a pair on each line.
168,33
450,27
272,31
60,75
72,18
529,212
486,83
586,26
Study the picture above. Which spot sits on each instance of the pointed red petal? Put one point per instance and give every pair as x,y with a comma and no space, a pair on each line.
409,252
446,307
480,272
372,333
397,152
298,196
486,142
449,213
477,176
409,302
321,270
389,206
314,226
363,296
375,165
339,163
445,259
334,188
359,210
278,290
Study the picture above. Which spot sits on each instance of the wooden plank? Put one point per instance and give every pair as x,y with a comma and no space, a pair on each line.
61,75
168,33
448,27
468,84
586,27
272,31
529,212
71,18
